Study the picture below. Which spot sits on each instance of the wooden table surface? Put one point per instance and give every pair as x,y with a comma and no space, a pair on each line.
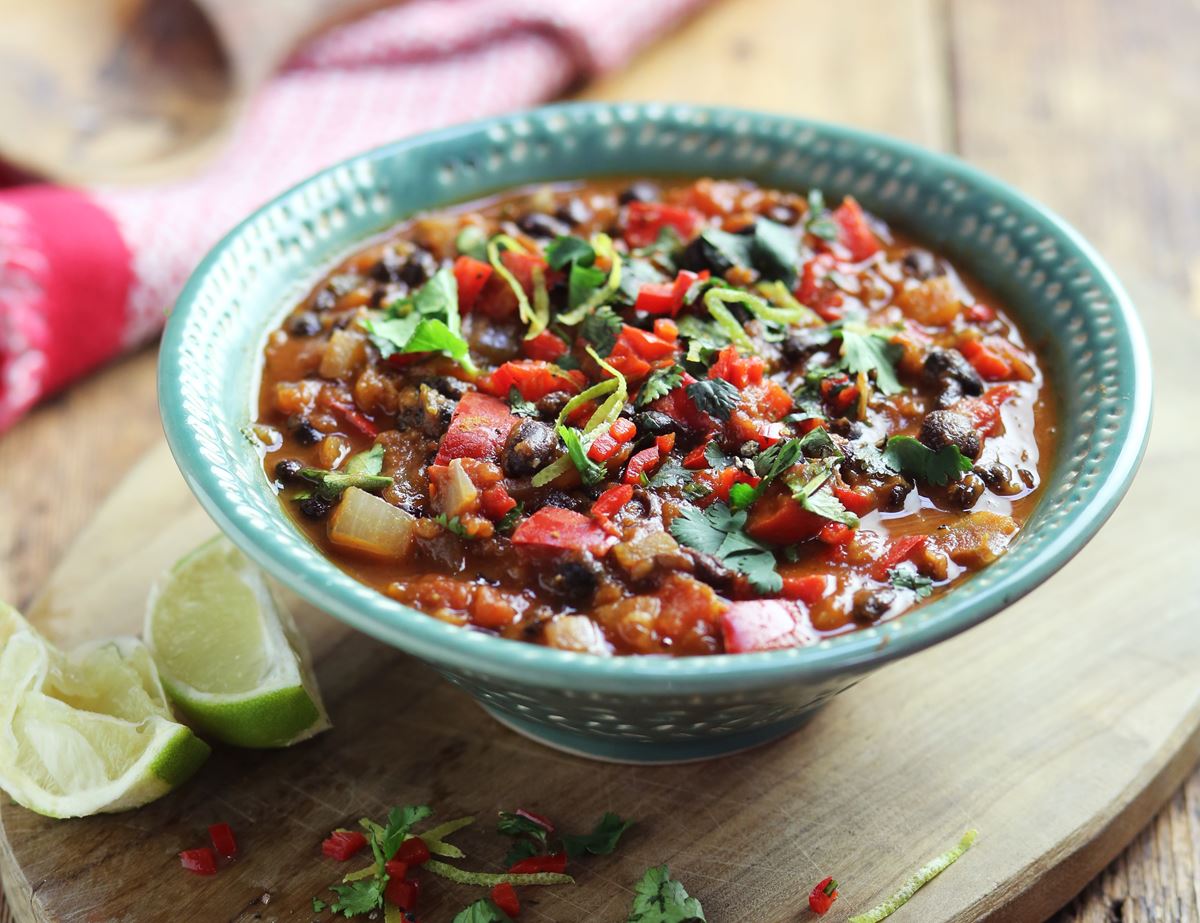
1091,106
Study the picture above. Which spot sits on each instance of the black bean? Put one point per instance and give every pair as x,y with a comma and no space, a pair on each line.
872,605
287,470
895,495
654,423
387,267
540,225
943,428
304,324
963,493
952,376
453,388
999,479
418,268
574,579
552,404
573,212
326,299
530,446
641,191
315,507
305,432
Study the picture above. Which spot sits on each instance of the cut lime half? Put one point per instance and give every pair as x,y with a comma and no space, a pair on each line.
229,654
89,731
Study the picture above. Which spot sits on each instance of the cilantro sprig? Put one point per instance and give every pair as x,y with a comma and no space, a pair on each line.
660,383
426,322
361,471
869,349
658,898
715,397
720,531
904,576
905,455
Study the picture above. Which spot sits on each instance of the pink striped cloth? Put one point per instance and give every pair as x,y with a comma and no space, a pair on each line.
86,274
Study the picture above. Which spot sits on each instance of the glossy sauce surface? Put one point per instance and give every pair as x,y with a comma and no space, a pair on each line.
859,307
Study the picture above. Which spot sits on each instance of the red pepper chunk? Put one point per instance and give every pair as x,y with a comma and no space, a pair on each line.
858,500
805,589
223,840
762,625
403,892
853,231
643,221
342,844
471,275
990,365
735,369
823,895
646,345
554,529
413,851
641,463
357,420
505,897
533,379
612,500
816,289
395,868
835,533
899,549
535,865
666,329
201,861
478,429
545,346
496,502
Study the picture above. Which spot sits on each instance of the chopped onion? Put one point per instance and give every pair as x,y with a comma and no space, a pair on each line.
459,494
343,354
576,633
366,523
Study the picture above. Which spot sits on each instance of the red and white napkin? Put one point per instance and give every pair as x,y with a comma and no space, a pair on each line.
86,274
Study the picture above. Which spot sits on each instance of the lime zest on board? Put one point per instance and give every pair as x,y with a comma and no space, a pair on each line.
920,877
491,879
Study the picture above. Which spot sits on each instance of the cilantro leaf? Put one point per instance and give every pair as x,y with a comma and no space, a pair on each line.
818,221
331,484
601,328
510,519
906,577
357,897
869,349
582,283
452,524
515,825
318,905
720,532
775,251
812,492
671,474
666,248
715,456
704,337
399,823
722,250
368,463
905,455
601,841
817,443
661,382
715,397
769,464
482,911
569,249
660,899
519,406
590,472
432,324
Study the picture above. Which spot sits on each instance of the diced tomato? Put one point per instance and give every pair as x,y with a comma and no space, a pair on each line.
201,861
612,500
643,221
413,851
835,533
478,429
403,892
666,329
805,589
837,390
853,231
743,427
816,289
667,297
627,362
603,447
720,483
990,365
775,401
223,840
646,345
762,625
471,275
342,844
985,410
779,519
496,502
504,896
899,549
623,430
555,529
665,443
641,463
695,459
533,379
738,370
534,865
545,346
357,420
858,500
395,868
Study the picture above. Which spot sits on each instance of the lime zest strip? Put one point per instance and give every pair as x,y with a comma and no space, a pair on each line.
435,838
491,879
922,876
493,255
713,300
790,311
541,304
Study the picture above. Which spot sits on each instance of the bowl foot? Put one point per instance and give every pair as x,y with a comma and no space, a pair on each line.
645,752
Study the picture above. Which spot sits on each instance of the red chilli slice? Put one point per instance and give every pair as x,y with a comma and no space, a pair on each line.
223,840
201,861
342,844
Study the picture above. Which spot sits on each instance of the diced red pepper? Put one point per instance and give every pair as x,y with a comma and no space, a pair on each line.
395,868
666,329
646,345
990,365
357,420
775,401
497,298
742,426
643,221
504,896
657,298
496,502
853,231
413,851
979,314
665,443
696,460
823,895
553,528
985,410
342,844
899,549
540,819
403,892
545,346
627,362
623,430
201,861
641,463
720,483
603,448
817,291
835,533
858,500
761,625
223,840
478,429
805,589
533,379
534,865
779,519
738,370
612,500
471,275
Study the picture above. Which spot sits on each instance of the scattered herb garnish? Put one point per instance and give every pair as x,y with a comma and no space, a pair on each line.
671,473
922,876
870,349
509,520
601,329
811,492
660,383
451,524
368,463
590,472
769,464
482,911
906,577
601,841
426,322
658,898
905,455
818,221
332,484
715,397
721,532
568,250
519,406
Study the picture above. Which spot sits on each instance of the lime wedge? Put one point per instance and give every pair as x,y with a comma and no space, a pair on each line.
89,731
229,654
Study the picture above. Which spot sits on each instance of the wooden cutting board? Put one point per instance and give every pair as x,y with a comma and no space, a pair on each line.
1056,728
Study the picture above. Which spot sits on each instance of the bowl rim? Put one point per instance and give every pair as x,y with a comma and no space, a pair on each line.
455,647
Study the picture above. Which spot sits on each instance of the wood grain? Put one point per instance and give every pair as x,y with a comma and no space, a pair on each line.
1090,105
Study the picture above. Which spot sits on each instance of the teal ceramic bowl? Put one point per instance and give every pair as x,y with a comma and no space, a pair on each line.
652,709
